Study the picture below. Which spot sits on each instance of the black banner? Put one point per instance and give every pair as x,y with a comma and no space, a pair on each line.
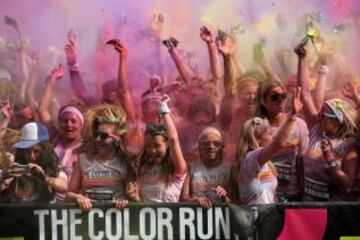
181,221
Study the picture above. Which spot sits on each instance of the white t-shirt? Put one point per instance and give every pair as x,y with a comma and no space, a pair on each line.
204,179
258,183
153,189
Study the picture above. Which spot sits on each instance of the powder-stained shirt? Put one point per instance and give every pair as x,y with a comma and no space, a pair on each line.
258,183
153,189
102,177
204,179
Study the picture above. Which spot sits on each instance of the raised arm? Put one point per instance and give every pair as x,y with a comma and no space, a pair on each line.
227,49
76,81
319,92
303,82
185,72
123,82
208,37
173,138
44,106
29,90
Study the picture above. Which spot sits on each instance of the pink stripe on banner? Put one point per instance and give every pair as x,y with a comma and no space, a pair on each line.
309,224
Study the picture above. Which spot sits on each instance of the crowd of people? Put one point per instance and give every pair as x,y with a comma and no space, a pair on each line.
239,137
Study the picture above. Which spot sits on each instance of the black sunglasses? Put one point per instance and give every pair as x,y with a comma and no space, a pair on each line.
207,144
102,135
278,96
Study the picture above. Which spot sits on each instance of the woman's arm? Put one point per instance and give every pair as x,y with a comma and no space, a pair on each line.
303,82
208,37
123,82
29,90
45,102
319,93
343,174
185,72
173,138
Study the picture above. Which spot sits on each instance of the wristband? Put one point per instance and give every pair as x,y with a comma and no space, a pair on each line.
163,108
74,67
323,69
333,164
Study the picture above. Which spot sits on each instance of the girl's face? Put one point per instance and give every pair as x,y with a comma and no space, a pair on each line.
210,147
32,154
105,139
328,121
70,126
275,100
155,147
248,95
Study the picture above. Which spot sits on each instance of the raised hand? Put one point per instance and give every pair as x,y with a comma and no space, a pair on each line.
351,90
70,52
157,23
57,73
119,47
296,104
206,35
6,109
226,47
300,51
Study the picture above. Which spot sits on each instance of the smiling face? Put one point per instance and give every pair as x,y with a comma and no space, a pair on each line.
247,96
211,148
156,147
70,126
105,139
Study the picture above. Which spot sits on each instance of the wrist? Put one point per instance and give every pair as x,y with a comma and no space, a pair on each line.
164,108
333,165
324,70
73,66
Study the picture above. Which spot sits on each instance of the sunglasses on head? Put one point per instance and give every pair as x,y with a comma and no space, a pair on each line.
207,144
278,96
328,116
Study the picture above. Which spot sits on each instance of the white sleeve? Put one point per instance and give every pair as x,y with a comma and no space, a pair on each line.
250,163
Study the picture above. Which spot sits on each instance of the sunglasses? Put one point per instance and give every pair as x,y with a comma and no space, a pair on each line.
207,144
103,135
278,96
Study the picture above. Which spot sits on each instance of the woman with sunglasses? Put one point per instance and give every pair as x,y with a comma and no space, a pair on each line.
103,168
288,163
254,177
207,180
330,155
162,167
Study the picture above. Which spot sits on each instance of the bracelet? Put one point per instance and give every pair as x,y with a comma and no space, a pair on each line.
323,69
74,67
333,164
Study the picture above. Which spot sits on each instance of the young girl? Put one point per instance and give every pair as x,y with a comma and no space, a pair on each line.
103,168
162,168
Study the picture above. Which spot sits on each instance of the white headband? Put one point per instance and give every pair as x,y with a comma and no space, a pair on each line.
208,130
73,110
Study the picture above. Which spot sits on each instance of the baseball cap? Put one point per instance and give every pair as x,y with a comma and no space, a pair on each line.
31,134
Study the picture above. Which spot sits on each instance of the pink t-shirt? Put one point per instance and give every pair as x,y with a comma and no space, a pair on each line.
258,183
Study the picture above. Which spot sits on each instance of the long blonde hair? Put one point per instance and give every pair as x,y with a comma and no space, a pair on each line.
249,140
103,114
